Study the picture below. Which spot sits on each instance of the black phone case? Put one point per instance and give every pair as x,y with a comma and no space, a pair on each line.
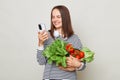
40,27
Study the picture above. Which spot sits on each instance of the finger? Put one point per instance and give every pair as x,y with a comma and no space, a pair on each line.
43,32
42,35
45,37
67,58
61,68
69,63
71,57
42,38
38,32
70,60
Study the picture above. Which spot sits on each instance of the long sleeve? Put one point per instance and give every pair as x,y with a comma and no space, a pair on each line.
51,71
82,67
76,42
40,58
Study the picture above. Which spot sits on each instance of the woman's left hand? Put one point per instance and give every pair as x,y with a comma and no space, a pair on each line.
73,62
67,68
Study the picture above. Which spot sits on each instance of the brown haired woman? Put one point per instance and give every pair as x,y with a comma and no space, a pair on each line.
61,27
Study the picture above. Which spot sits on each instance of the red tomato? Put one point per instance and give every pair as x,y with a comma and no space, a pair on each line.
81,54
72,54
78,56
71,50
68,46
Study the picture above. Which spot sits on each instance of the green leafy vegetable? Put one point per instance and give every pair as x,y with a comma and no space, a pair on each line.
89,55
56,52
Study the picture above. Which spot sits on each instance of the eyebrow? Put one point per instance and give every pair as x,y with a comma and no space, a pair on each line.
55,15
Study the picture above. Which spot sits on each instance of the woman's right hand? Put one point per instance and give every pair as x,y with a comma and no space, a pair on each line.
42,36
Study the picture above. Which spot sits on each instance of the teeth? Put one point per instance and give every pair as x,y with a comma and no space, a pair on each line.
56,23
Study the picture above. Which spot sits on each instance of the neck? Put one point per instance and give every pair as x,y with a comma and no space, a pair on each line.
59,30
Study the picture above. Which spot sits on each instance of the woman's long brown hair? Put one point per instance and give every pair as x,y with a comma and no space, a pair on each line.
66,21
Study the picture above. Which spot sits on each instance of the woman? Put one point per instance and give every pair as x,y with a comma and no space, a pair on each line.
60,27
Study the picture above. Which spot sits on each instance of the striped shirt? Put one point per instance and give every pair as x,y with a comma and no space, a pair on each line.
51,71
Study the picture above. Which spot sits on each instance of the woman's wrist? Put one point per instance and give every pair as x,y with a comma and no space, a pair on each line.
40,43
40,46
78,65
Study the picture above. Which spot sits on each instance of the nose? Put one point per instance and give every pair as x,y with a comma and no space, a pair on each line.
55,18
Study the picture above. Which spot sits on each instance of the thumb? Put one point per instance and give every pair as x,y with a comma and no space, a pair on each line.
38,32
71,57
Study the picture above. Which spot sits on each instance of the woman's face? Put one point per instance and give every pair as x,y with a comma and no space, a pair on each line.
56,19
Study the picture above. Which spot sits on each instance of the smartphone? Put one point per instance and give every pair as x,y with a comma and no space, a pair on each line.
41,27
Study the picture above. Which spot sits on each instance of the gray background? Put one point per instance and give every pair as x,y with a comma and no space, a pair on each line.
97,23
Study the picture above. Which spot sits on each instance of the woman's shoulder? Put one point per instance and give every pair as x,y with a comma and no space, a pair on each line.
74,36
